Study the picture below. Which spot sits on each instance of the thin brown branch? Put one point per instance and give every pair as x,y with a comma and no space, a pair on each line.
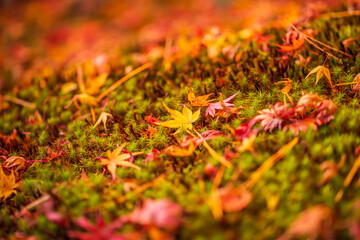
311,40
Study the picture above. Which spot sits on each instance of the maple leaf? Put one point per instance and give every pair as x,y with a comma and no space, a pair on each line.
103,118
210,170
150,132
274,117
115,158
296,44
286,89
234,199
247,144
15,161
244,130
152,156
93,85
308,101
320,72
161,213
100,230
226,111
301,125
217,106
52,215
323,113
200,101
83,98
329,170
302,61
188,144
180,151
205,136
181,120
151,120
7,184
313,223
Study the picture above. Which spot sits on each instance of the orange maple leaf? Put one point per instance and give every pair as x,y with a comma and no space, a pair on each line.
115,158
296,44
200,101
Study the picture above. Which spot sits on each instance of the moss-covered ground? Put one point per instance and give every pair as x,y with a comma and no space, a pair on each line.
311,190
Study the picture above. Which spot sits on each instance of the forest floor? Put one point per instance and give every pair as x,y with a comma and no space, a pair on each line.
222,133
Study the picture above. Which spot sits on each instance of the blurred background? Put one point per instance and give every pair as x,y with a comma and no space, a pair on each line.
41,36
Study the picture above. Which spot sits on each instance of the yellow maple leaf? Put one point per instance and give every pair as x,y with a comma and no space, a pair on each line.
181,120
115,158
7,185
320,72
286,89
200,101
93,85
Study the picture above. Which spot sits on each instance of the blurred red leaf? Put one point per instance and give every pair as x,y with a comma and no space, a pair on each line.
234,199
312,223
99,230
161,213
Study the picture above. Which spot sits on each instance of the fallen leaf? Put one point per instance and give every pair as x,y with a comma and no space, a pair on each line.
306,102
211,109
246,144
7,185
15,161
234,199
99,230
83,98
296,44
301,125
200,101
320,72
286,89
302,61
329,169
312,223
115,158
181,120
180,151
161,213
275,117
150,132
93,85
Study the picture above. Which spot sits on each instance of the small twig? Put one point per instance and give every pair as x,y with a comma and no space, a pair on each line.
316,46
19,101
348,179
255,176
122,80
341,14
141,188
213,153
80,79
36,203
328,46
311,40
